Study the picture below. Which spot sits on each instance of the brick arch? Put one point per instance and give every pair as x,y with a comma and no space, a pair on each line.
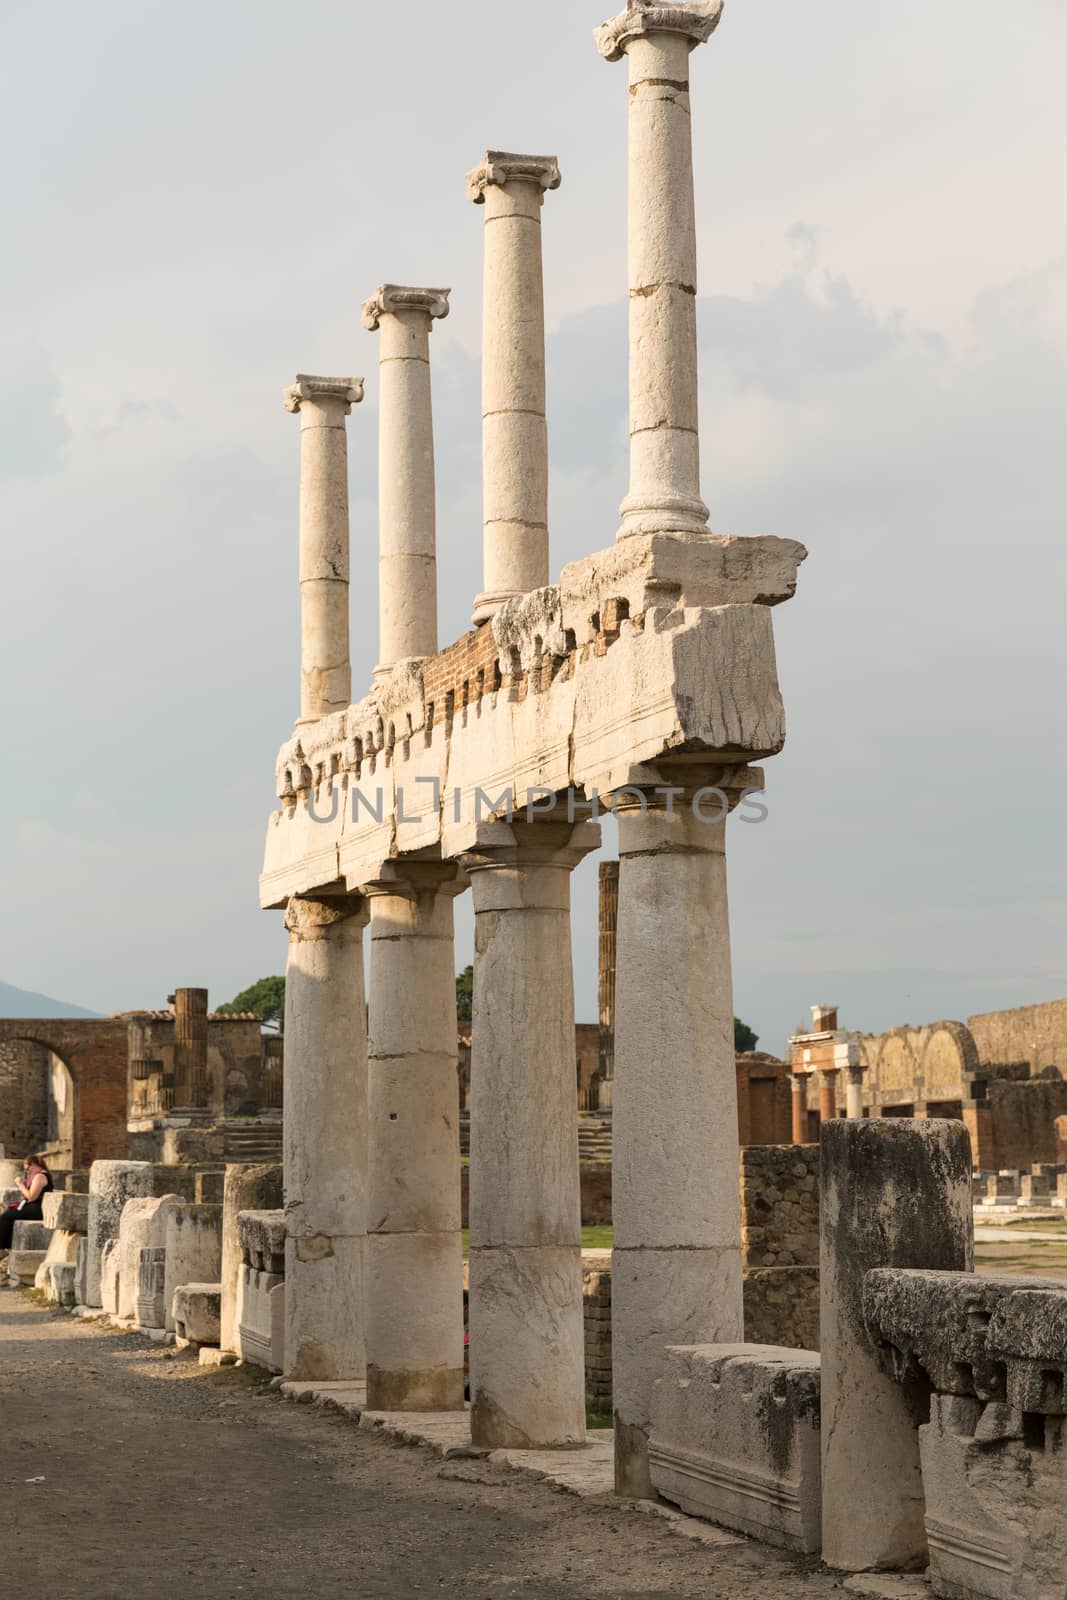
94,1052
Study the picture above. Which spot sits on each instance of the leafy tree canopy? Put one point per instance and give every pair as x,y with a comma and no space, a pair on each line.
266,997
744,1038
465,994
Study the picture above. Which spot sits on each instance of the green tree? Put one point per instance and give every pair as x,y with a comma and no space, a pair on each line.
266,997
744,1038
465,994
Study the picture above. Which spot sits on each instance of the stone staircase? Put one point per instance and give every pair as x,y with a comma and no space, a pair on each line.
594,1137
253,1141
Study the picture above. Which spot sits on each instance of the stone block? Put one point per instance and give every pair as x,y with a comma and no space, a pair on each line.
735,1439
995,1484
62,1248
895,1193
246,1187
209,1186
109,1277
194,1250
69,1212
1034,1190
151,1286
260,1318
196,1310
111,1184
31,1236
143,1226
81,1271
61,1283
261,1235
22,1265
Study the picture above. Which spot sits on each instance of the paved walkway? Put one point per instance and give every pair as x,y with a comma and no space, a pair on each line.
130,1471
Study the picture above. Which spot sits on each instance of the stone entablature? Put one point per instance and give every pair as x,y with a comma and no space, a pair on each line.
551,703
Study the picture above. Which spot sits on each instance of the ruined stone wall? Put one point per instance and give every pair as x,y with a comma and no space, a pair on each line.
780,1244
1021,1119
764,1099
1036,1035
24,1073
94,1051
596,1312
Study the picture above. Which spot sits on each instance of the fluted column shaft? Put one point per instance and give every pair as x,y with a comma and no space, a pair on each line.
407,561
325,1138
676,1263
414,1260
664,494
526,1323
191,1084
325,666
514,429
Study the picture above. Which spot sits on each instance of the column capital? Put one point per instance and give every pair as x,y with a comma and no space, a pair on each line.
498,167
408,879
310,917
530,844
350,390
394,298
696,22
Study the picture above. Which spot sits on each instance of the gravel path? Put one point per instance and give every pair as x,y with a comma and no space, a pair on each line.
164,1479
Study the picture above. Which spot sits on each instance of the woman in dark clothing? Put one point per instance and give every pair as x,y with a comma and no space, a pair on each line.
32,1188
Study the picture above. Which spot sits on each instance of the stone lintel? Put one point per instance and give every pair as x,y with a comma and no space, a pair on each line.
350,390
696,21
396,298
503,166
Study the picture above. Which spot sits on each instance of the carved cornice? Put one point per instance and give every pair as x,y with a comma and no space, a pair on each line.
502,166
697,22
395,297
350,390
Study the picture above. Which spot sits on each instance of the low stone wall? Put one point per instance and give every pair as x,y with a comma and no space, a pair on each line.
780,1244
596,1309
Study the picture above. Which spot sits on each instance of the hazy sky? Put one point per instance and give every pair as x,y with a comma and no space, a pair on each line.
198,198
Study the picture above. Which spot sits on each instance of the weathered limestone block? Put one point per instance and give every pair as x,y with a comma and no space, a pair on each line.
68,1212
210,1187
894,1193
62,1250
81,1271
31,1236
109,1277
1034,1190
194,1251
995,1483
735,1439
261,1236
111,1184
196,1310
60,1288
151,1287
22,1266
259,1331
246,1187
143,1226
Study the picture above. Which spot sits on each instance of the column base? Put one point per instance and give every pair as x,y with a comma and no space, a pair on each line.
666,513
487,605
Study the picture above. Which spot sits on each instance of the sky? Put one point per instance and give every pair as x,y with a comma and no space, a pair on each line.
202,197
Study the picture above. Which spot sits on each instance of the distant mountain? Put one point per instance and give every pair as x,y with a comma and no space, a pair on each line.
24,1003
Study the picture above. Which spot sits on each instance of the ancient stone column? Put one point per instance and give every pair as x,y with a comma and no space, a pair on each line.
609,911
827,1093
325,667
854,1092
893,1193
191,1086
799,1081
514,431
656,39
407,560
676,1264
414,1259
325,1137
526,1326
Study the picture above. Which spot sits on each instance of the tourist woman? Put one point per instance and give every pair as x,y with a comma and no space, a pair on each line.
32,1188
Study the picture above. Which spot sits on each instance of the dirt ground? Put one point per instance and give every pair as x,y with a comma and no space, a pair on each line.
161,1478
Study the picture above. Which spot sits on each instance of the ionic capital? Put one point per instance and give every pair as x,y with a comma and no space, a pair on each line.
350,390
395,297
314,917
697,22
498,167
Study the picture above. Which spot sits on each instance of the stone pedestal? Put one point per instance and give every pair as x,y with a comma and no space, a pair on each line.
325,1137
676,1265
527,1365
514,432
414,1259
407,563
656,40
325,666
894,1193
246,1187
